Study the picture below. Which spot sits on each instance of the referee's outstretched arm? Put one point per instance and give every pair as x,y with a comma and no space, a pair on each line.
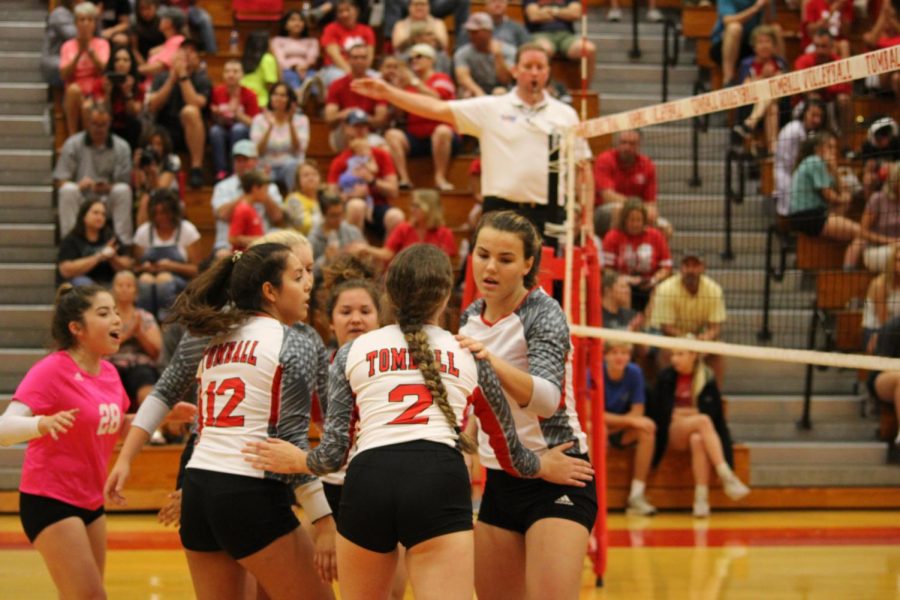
419,104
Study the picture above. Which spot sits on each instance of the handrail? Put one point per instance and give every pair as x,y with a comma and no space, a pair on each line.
773,273
635,44
699,124
732,196
819,318
670,52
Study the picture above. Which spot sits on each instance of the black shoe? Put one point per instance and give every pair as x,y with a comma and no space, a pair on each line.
893,454
195,178
740,134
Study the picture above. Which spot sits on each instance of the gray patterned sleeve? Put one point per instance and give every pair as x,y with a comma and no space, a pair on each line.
323,364
331,452
547,335
496,420
181,373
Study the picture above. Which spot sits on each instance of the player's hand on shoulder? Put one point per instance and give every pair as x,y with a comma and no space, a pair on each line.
557,467
478,349
276,456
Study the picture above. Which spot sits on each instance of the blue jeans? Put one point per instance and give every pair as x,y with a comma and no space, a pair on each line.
286,173
221,140
200,20
157,298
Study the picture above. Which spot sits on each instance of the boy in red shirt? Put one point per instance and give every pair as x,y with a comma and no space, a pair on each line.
246,224
233,107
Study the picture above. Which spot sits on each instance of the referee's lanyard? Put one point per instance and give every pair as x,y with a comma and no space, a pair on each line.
554,139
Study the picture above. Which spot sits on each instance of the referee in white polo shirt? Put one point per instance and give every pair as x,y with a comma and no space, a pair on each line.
519,134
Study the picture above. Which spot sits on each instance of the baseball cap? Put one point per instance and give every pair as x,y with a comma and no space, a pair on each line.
357,116
422,50
690,254
245,148
478,21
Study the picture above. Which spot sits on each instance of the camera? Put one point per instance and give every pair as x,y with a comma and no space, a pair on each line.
116,78
149,156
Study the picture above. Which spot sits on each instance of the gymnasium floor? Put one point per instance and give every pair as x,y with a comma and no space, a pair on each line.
744,555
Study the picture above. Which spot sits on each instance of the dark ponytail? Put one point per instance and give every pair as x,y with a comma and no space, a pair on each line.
70,305
419,280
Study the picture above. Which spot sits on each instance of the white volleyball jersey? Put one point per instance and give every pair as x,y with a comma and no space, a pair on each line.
376,389
253,383
533,338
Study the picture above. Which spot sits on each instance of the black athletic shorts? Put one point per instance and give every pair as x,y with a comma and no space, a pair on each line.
809,222
615,440
333,495
516,504
235,513
186,455
406,493
37,513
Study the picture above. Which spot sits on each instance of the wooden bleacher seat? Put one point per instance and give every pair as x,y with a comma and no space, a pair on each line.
816,253
836,292
887,422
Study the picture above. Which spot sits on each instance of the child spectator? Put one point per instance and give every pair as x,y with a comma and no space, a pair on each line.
352,182
233,107
81,64
339,37
140,341
281,135
260,67
148,176
334,235
294,50
90,253
624,399
301,208
158,138
617,311
246,224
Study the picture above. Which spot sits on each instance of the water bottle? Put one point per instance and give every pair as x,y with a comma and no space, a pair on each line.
234,41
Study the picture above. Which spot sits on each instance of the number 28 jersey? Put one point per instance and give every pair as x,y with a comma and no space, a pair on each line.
375,382
254,382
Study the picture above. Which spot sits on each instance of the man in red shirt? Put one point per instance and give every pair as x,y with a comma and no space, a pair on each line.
233,107
834,15
381,177
621,173
341,35
423,136
838,96
342,100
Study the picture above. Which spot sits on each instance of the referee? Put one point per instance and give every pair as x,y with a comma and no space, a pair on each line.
519,134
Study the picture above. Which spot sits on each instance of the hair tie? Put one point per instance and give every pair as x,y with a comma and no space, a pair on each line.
236,256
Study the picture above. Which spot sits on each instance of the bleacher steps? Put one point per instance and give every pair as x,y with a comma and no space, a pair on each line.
815,453
27,254
862,475
27,234
744,377
26,160
789,407
24,125
23,93
14,362
25,325
19,36
822,430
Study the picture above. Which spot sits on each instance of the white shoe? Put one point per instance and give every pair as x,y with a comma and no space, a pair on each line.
158,439
614,15
654,15
638,506
734,488
701,510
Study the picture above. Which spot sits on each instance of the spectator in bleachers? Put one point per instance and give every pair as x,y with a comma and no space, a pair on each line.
880,223
227,192
158,138
882,299
787,149
617,311
624,399
161,58
294,49
232,107
281,135
334,235
614,15
483,66
505,29
60,29
838,96
401,36
380,176
167,252
177,100
690,303
879,150
339,37
301,209
621,173
636,249
425,225
689,415
421,34
200,21
763,64
246,224
885,385
421,136
885,32
341,100
140,341
90,253
122,92
818,201
145,29
730,38
95,165
148,176
261,70
395,9
552,23
82,61
115,17
835,16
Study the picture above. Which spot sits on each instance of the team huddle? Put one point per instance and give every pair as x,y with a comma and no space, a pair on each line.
387,490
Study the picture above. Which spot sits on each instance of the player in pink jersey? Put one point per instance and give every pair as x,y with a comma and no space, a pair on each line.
70,408
408,386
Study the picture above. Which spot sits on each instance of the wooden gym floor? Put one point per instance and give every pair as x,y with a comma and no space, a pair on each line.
742,555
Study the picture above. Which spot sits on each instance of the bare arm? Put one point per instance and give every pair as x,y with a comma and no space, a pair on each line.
464,78
745,15
334,51
159,98
424,106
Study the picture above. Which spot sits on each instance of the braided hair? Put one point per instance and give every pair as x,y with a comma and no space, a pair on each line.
418,284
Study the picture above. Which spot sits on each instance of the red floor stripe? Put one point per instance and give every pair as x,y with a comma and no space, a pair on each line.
618,538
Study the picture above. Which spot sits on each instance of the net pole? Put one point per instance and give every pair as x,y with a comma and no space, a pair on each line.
566,168
583,61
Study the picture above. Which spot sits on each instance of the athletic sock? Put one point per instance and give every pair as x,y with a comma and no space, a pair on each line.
701,493
637,489
724,471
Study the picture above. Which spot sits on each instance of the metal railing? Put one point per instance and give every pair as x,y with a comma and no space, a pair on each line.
671,45
699,124
635,43
733,196
773,273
